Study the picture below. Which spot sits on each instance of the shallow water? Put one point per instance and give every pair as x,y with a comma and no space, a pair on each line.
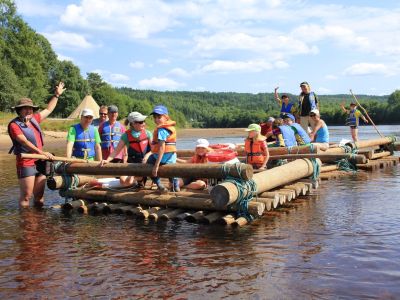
341,242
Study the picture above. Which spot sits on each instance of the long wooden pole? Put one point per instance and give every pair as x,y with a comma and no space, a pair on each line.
57,158
324,157
366,113
227,193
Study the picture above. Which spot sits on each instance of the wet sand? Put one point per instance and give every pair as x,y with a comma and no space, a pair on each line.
56,139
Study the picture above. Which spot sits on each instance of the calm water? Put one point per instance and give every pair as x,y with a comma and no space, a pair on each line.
342,242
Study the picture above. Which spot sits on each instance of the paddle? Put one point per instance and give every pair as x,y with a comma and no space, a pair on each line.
366,113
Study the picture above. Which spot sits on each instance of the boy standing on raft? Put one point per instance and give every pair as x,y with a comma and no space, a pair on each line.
163,146
256,148
26,136
353,119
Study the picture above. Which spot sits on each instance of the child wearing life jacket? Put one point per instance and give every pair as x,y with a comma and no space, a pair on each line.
256,148
137,139
301,135
200,157
353,119
163,146
283,133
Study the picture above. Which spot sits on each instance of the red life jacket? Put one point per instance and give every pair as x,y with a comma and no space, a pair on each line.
138,147
254,152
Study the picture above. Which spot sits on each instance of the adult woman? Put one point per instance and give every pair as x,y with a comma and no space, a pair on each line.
320,133
27,137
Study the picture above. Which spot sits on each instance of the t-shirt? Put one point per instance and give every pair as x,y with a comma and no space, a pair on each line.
72,135
107,152
306,106
168,158
15,130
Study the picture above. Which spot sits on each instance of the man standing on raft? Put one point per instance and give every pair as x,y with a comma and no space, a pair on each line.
26,136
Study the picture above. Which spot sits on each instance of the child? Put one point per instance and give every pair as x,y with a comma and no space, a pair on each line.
256,148
353,119
163,146
200,157
284,135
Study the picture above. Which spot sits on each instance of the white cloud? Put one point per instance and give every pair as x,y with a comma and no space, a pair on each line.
160,83
38,8
361,69
331,77
119,77
250,66
137,65
179,72
163,61
135,19
68,40
63,57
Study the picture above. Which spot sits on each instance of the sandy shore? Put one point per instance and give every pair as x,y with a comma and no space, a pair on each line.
56,139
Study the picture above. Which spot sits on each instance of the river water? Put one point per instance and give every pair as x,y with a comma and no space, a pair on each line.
340,242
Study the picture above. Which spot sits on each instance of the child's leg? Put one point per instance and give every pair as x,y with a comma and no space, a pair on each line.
197,185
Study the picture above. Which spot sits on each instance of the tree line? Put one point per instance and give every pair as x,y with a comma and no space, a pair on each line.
30,67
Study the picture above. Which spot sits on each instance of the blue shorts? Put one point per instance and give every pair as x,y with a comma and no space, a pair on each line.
38,169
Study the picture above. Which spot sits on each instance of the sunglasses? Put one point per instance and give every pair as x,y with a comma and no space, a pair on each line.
312,115
102,114
138,122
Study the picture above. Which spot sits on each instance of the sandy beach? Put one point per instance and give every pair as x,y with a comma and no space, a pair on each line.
56,139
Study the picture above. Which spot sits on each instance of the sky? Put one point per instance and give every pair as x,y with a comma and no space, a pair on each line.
247,46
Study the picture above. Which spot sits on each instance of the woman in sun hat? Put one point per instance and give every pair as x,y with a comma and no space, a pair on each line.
27,137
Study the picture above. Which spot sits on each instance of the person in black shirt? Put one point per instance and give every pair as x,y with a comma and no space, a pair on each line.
308,101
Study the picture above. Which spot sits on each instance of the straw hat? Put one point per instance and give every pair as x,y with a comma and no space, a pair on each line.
25,102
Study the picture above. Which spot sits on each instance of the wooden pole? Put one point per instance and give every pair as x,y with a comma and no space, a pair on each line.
227,193
375,142
380,154
324,157
164,200
57,158
239,170
366,113
58,182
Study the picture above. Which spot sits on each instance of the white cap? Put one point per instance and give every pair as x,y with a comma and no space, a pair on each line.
271,119
315,111
136,117
202,143
87,112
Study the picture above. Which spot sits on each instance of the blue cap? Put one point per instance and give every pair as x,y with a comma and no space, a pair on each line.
288,115
160,110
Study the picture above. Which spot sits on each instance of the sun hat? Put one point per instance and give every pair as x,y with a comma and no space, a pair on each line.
25,102
314,111
203,143
253,127
136,117
271,119
87,112
288,116
112,109
160,110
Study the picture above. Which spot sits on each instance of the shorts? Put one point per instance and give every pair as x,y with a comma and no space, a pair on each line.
353,126
38,169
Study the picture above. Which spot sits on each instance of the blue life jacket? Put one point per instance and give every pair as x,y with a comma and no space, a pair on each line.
110,134
28,133
84,142
301,135
322,135
311,99
352,120
288,136
286,109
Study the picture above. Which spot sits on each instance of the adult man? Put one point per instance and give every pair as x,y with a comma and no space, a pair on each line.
307,102
103,111
83,140
26,136
110,133
301,135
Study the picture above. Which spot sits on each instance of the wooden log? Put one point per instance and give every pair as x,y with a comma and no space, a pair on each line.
329,168
84,209
239,222
212,217
239,170
170,215
314,183
145,213
380,154
169,200
196,217
226,193
290,193
58,182
325,157
375,142
227,220
73,204
295,188
155,215
273,195
397,146
269,203
98,208
180,217
111,208
57,158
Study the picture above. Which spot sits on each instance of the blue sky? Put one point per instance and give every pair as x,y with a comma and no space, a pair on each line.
227,45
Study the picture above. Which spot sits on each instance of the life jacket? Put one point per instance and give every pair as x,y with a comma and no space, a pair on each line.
289,139
18,148
199,159
311,99
110,135
301,135
170,143
139,146
286,108
352,120
84,142
254,152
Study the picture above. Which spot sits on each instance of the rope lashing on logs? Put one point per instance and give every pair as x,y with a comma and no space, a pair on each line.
345,165
71,182
390,147
316,169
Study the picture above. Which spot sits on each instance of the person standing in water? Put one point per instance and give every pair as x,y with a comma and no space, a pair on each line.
353,119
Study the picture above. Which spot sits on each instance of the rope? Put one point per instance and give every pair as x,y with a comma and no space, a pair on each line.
390,147
71,182
247,189
316,169
345,165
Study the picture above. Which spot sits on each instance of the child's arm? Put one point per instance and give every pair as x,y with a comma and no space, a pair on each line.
266,158
316,128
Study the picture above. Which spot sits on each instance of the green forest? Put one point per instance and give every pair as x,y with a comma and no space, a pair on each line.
30,67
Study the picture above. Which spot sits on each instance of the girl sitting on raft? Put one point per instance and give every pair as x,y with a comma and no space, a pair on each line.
320,133
284,135
200,157
256,148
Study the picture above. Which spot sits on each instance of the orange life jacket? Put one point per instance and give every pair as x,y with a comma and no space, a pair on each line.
170,143
254,152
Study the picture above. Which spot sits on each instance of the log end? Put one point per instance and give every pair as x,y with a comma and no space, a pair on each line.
220,196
